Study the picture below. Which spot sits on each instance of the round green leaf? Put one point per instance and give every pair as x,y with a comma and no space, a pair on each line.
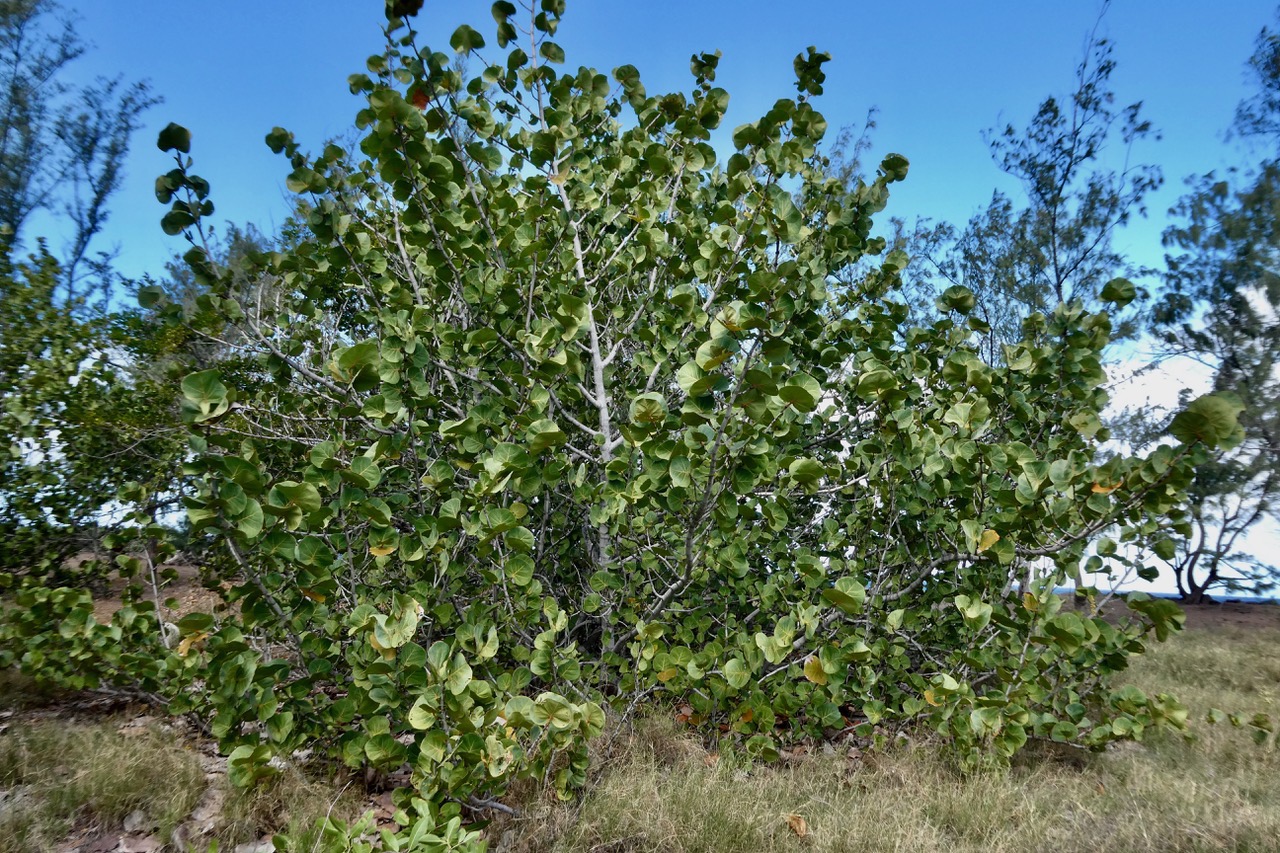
174,137
736,673
650,408
806,471
204,396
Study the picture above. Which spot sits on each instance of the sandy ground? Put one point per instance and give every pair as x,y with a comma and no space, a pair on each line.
187,593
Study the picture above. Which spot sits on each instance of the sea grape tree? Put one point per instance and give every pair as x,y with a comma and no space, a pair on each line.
558,408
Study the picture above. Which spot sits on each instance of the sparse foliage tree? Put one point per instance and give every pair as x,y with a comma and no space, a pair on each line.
1022,259
62,148
1221,307
1258,117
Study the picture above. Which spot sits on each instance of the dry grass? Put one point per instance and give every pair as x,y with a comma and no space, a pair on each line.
57,774
1218,791
20,693
288,803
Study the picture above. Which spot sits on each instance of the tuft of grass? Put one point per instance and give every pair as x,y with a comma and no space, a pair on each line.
56,775
19,692
288,803
1216,790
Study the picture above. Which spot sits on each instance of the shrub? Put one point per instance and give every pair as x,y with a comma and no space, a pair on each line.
556,408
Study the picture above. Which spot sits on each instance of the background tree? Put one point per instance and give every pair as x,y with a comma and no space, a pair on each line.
1221,307
62,148
1258,117
1019,259
77,419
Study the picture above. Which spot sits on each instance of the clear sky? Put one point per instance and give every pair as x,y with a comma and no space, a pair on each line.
939,71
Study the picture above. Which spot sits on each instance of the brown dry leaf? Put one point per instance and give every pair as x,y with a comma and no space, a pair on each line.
136,726
711,759
798,825
384,808
97,844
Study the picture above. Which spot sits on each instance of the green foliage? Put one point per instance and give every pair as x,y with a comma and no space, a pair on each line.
74,426
52,634
1212,419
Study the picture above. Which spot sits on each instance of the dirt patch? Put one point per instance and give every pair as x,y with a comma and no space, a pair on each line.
1232,615
1228,617
186,593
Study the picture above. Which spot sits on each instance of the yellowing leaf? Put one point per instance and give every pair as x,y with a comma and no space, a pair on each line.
798,825
313,595
382,550
184,648
667,674
387,652
814,672
1099,489
560,178
1030,602
989,538
932,698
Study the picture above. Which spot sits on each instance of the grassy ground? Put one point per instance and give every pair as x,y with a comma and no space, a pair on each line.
1218,791
68,779
59,773
658,789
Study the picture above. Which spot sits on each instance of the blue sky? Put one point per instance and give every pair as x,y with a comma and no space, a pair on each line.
939,71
